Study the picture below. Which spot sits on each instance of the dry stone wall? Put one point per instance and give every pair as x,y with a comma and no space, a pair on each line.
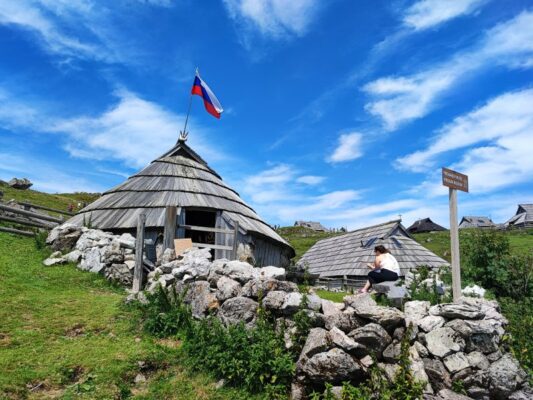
449,343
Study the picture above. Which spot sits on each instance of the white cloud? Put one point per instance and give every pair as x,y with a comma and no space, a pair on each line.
310,179
429,13
349,148
397,100
498,141
274,18
133,130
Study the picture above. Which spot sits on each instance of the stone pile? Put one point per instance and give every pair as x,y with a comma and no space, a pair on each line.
94,250
449,343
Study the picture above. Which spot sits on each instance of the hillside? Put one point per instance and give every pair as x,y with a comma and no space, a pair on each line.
60,201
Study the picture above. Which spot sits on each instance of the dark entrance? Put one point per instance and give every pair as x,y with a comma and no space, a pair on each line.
200,218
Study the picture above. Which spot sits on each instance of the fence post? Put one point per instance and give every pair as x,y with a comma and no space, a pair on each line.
235,237
169,233
139,250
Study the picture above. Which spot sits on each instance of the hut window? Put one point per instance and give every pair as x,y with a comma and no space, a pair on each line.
397,242
200,218
370,242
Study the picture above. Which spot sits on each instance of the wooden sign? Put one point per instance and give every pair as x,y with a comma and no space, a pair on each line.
454,180
180,245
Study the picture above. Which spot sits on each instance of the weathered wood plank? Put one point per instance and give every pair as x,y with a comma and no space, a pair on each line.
16,231
26,222
24,203
206,229
139,250
30,214
235,239
212,246
169,233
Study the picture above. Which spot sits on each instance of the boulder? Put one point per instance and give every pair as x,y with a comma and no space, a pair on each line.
239,309
331,308
200,298
126,241
421,349
271,273
392,353
346,322
291,303
317,342
431,322
274,300
227,288
257,287
92,260
372,336
456,362
415,310
506,376
444,341
438,376
473,291
239,271
334,366
526,393
73,257
447,394
339,339
51,261
361,303
167,256
314,302
388,317
478,360
119,273
452,311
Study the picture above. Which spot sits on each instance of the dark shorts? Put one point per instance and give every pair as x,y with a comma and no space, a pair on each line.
383,275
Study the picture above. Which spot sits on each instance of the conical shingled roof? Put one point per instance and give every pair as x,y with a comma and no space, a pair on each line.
348,254
180,178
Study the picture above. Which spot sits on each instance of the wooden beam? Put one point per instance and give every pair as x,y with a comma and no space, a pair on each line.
16,231
454,238
206,229
24,222
24,203
235,238
170,228
30,214
139,249
212,246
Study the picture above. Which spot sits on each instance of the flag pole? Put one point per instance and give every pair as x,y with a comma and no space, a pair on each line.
184,134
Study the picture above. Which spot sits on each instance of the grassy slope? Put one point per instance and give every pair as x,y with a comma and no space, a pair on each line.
65,333
302,239
59,201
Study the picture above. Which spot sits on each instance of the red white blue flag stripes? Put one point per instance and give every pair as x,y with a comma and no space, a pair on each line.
211,103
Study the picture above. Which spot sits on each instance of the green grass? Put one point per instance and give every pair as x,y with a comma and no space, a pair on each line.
302,239
58,201
439,242
65,334
333,296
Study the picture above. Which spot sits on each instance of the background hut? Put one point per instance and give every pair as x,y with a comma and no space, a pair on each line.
181,178
346,256
523,217
476,222
425,225
316,226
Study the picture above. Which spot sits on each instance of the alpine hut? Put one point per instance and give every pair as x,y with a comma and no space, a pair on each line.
181,178
316,226
476,222
425,225
346,256
523,217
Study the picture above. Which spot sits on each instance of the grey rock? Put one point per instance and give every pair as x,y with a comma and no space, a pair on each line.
257,287
73,257
227,288
334,366
526,393
438,376
340,339
331,308
447,394
444,341
167,256
506,376
421,349
274,300
431,322
478,360
239,309
119,273
126,241
291,303
92,261
314,302
392,353
20,183
462,311
415,311
271,273
51,261
317,342
456,362
361,303
201,299
298,391
495,356
346,322
478,393
388,317
389,369
238,270
372,336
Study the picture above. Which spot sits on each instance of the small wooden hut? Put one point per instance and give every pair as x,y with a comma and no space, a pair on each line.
476,222
181,178
346,256
316,226
523,217
425,225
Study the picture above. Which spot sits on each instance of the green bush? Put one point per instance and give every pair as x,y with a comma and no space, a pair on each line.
420,291
487,261
520,329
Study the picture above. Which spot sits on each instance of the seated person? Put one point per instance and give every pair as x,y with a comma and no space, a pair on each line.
385,268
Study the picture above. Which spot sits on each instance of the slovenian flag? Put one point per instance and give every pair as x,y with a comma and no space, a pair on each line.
211,103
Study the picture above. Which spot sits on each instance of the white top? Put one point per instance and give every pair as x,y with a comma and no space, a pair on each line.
389,262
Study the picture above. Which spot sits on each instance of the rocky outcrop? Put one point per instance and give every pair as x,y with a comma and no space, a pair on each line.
20,183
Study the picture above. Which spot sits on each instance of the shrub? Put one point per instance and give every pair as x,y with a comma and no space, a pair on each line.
520,329
420,291
40,239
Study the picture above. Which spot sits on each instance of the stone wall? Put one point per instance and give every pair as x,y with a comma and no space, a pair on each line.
449,342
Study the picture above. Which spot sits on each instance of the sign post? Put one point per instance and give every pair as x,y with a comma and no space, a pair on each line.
455,181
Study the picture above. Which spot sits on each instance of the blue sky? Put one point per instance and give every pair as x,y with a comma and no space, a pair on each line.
339,111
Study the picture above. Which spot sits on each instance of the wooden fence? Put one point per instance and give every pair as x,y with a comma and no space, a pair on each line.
28,218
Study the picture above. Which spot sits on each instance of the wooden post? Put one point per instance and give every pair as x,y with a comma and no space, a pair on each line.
454,237
139,250
235,239
170,228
